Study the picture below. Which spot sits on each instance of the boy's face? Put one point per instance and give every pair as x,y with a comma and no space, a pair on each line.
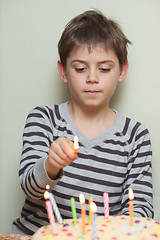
92,76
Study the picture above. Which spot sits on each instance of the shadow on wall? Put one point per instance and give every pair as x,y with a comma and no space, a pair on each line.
118,97
62,91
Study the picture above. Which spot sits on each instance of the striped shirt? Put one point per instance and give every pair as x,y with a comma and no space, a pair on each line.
117,159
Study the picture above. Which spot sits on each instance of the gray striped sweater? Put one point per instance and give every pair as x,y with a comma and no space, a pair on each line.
112,162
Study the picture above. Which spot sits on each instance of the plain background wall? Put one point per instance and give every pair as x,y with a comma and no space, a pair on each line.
29,33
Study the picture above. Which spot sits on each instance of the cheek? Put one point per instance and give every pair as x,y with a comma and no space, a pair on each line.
74,81
113,88
111,85
73,86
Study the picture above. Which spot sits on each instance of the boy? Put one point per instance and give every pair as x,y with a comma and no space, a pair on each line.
115,151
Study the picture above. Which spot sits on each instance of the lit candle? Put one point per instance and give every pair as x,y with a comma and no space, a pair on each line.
74,213
94,227
106,204
131,197
54,205
47,186
83,211
50,213
76,144
90,212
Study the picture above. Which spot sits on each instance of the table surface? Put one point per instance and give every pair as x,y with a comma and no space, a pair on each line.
4,236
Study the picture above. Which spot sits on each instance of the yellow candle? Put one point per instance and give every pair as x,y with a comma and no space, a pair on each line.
131,197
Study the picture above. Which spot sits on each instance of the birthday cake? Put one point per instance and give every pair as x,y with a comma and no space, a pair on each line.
112,228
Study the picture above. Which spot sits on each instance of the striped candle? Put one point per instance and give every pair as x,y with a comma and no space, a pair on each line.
106,204
94,227
50,213
55,208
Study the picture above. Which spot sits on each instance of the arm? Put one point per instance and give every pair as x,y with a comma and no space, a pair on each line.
42,160
139,176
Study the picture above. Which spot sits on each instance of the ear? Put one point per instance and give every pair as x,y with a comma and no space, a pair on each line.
62,71
123,72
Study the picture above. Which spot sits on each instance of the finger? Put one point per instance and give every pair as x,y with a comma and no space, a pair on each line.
61,159
68,149
57,149
56,161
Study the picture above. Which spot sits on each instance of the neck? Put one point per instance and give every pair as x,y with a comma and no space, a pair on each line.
88,112
92,122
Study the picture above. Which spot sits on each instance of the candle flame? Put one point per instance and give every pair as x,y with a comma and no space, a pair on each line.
47,186
93,207
46,195
76,144
81,198
131,194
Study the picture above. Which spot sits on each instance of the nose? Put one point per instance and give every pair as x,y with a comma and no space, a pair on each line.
92,76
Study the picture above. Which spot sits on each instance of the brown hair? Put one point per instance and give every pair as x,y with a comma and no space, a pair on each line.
93,28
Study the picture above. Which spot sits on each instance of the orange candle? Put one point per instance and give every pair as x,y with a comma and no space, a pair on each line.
131,197
83,211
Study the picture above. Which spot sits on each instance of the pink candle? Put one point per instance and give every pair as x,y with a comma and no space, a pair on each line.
50,213
106,204
54,206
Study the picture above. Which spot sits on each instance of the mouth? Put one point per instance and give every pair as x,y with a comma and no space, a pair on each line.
92,92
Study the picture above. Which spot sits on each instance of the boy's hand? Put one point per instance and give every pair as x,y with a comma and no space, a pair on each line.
61,154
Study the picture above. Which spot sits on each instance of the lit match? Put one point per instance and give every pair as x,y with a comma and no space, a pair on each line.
76,144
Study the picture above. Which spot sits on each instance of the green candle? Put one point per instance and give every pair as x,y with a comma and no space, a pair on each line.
90,200
74,213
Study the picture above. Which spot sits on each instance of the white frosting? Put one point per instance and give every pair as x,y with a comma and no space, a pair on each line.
136,229
114,228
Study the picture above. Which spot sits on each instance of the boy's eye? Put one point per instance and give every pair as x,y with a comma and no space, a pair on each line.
104,69
82,69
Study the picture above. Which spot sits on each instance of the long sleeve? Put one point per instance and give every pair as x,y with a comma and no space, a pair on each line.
37,137
139,174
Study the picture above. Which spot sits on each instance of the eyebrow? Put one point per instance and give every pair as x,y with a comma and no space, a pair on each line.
101,62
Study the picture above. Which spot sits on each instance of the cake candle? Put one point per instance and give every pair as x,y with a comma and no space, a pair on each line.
94,227
94,231
74,213
83,211
50,212
90,212
106,204
131,197
55,208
